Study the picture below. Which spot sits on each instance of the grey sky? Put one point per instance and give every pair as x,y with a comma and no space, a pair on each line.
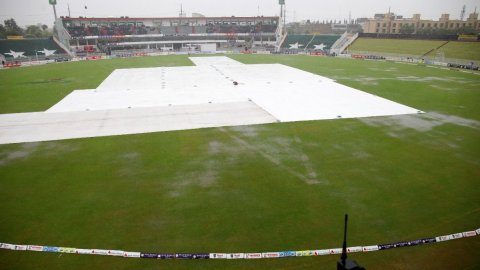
28,12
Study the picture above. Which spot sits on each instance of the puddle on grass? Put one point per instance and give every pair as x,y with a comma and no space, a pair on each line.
420,122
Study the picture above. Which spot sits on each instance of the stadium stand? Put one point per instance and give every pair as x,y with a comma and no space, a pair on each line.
30,47
106,35
309,41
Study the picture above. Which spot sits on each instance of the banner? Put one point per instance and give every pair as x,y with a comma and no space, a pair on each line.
264,255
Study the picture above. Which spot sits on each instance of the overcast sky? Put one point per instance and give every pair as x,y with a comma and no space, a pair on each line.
27,12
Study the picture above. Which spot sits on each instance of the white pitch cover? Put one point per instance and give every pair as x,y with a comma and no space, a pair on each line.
216,92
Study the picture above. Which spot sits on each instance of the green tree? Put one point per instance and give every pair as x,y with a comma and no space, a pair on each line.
33,31
12,29
2,31
407,29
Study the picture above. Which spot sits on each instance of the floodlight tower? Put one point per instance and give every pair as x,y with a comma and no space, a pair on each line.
282,12
53,3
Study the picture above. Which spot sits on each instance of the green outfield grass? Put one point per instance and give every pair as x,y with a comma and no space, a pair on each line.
247,189
461,50
453,49
398,46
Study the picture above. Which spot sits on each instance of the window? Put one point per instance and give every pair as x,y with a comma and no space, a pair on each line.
435,25
423,25
441,25
384,31
393,30
428,25
378,24
451,25
378,30
384,25
400,25
394,25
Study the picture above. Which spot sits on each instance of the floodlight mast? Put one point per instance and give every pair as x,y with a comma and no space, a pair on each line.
53,3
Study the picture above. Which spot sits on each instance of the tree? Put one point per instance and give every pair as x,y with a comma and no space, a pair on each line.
12,29
44,27
406,29
33,31
2,31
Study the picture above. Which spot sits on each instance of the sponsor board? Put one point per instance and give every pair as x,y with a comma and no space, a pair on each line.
386,246
236,256
443,238
370,248
218,256
308,253
469,234
321,252
20,247
166,256
429,240
118,253
253,255
354,249
35,248
149,255
50,249
415,243
8,246
271,255
456,235
131,254
100,252
401,244
290,253
287,254
335,251
67,250
84,251
201,256
184,256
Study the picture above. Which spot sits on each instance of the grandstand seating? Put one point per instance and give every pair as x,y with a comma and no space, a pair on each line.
29,46
110,34
305,40
124,29
80,31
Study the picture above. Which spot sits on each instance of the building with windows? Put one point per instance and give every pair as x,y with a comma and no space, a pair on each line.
84,36
390,23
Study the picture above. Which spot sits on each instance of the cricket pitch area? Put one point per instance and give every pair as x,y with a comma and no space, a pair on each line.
216,92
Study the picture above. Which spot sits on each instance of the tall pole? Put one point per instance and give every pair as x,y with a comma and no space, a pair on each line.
54,12
344,249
